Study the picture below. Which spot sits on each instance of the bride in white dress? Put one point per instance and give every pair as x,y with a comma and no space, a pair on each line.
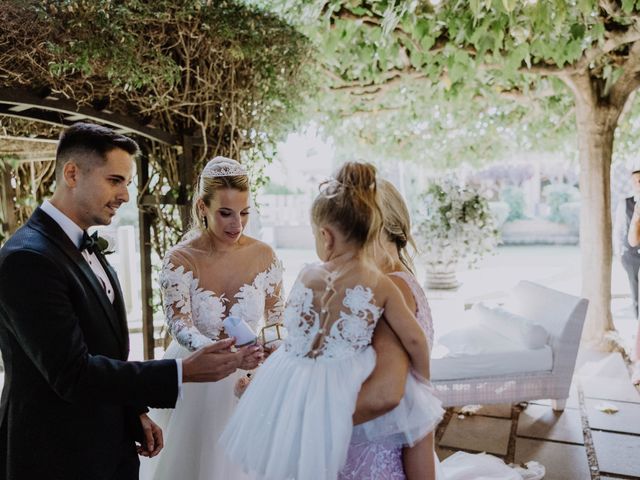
217,272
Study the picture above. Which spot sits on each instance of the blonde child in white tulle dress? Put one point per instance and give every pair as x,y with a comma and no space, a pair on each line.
295,419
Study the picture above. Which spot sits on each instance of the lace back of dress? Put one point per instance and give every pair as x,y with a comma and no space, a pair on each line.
336,311
326,297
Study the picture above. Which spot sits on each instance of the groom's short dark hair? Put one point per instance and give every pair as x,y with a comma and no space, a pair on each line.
87,144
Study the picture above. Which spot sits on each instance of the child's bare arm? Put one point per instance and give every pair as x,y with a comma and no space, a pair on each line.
403,322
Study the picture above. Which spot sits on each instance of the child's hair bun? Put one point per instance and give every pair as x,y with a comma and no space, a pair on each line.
349,202
361,176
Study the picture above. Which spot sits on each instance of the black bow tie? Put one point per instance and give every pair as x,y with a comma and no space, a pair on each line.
89,242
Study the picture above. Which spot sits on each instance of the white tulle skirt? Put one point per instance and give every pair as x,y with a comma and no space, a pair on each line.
192,429
295,419
419,413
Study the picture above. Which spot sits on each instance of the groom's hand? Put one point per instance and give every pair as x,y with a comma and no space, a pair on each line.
153,441
212,363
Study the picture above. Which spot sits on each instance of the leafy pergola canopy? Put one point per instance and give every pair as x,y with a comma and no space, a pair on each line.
399,60
226,68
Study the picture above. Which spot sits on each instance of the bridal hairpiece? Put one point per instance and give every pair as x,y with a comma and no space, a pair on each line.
223,167
330,188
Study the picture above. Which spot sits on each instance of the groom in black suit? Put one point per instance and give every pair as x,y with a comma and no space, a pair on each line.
72,407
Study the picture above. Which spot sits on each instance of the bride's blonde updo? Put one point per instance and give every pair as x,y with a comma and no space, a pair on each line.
218,174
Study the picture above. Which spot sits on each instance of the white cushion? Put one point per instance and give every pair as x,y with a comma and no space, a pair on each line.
468,340
492,364
476,351
510,325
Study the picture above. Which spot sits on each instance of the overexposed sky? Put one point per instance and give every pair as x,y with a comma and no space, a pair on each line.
303,157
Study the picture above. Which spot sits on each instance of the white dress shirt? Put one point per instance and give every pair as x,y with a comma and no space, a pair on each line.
75,234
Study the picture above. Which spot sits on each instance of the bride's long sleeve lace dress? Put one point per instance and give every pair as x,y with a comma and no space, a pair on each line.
194,310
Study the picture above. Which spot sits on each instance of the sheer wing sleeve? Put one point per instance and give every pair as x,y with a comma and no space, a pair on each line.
274,301
175,283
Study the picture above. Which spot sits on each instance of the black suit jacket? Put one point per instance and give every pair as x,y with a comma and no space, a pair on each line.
70,404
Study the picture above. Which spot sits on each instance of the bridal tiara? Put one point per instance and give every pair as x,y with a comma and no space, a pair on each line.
223,167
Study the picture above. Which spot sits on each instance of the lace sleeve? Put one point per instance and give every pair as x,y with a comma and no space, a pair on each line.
274,302
175,284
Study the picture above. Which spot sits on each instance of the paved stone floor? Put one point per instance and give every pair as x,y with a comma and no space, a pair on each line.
579,443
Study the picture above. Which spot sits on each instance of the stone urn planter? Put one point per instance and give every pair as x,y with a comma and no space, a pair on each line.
441,276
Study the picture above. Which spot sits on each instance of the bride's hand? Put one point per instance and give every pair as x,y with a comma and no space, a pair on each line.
252,356
241,386
271,347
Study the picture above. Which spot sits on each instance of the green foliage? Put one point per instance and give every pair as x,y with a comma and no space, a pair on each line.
394,64
514,197
557,195
455,37
147,49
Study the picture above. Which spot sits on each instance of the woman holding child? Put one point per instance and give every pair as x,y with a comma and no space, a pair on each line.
370,460
313,380
373,460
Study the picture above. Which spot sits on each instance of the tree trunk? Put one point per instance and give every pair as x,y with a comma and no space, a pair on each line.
596,121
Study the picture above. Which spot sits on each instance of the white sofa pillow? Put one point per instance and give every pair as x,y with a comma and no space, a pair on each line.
514,327
469,340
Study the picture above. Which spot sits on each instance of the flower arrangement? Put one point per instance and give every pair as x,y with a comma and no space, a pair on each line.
456,226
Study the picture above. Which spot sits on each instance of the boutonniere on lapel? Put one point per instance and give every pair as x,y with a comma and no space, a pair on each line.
95,243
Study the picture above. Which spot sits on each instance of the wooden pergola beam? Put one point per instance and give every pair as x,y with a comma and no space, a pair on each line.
145,221
38,139
26,105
